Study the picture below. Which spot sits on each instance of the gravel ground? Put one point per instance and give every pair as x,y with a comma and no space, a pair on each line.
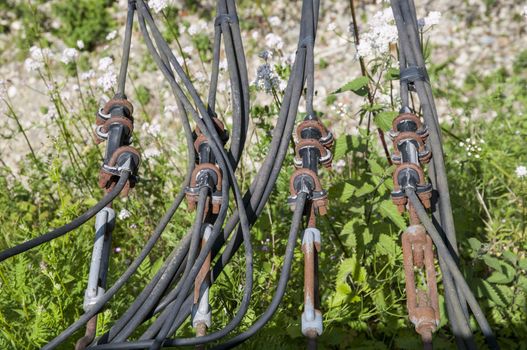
470,34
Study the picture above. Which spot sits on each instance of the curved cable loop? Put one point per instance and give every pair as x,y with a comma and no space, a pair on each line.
72,225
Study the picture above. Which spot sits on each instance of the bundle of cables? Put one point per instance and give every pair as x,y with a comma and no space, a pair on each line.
180,287
416,143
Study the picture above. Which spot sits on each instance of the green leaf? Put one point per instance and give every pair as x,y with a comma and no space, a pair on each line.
376,168
359,86
523,264
388,210
475,244
504,272
364,190
387,246
343,145
522,282
510,256
384,120
349,233
343,191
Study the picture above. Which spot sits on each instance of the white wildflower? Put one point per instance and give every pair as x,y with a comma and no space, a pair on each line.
69,55
273,41
275,20
112,35
332,26
433,18
197,28
524,13
37,57
87,75
158,5
151,153
381,32
11,91
107,80
266,78
153,129
124,214
80,44
521,171
105,63
339,166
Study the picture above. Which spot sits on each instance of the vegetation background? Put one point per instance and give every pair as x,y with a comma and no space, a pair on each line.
58,61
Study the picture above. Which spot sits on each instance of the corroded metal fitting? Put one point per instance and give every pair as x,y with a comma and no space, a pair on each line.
325,154
110,172
423,153
316,194
101,130
408,122
326,137
205,174
119,106
414,177
423,305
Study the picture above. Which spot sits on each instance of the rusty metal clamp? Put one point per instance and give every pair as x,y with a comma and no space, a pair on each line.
410,175
408,143
310,127
306,180
209,175
325,157
406,121
422,305
110,172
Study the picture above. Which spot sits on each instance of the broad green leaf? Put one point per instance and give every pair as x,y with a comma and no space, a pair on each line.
343,191
510,256
388,210
523,263
349,233
384,120
387,246
359,86
343,145
376,168
504,273
522,282
475,244
364,190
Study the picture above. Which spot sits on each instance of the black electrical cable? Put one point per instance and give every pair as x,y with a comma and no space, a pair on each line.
175,64
72,225
282,283
121,82
183,247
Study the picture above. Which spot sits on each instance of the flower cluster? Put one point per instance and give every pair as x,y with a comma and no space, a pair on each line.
108,79
471,147
432,19
381,32
37,58
196,28
266,78
158,5
69,55
521,171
